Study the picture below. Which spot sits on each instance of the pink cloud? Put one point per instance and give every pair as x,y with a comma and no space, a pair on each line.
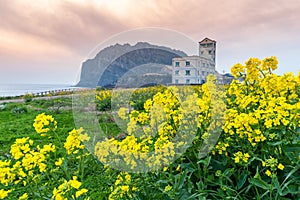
60,29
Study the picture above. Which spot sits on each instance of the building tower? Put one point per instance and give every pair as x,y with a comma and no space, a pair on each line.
207,48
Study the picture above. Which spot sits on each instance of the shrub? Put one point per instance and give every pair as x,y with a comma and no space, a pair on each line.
19,110
28,97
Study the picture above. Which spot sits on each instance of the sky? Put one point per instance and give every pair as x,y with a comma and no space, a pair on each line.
46,41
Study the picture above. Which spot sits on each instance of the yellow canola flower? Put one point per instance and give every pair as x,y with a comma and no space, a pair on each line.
280,166
20,147
74,140
81,192
75,183
168,188
59,162
269,63
7,174
268,173
122,187
123,113
4,193
239,156
68,186
245,158
237,70
43,122
271,162
103,95
24,197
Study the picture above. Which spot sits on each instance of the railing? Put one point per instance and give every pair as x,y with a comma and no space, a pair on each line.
52,92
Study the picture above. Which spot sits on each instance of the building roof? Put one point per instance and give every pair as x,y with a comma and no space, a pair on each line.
207,40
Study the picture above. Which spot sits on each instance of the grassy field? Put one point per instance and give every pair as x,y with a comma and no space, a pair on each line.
16,121
16,118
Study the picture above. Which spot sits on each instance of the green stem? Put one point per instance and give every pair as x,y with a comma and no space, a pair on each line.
257,194
66,172
37,187
30,187
50,182
57,137
82,167
271,189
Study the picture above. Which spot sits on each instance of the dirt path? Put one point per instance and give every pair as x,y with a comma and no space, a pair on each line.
36,98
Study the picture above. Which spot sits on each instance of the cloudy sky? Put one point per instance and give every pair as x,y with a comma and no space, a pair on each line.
46,41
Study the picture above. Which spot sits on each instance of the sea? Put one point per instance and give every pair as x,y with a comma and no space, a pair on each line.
11,90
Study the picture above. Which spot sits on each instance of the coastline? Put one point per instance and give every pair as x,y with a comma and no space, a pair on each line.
49,94
12,91
22,100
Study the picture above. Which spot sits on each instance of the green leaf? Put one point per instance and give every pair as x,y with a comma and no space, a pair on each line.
259,183
275,143
242,181
291,148
162,181
228,172
182,180
286,189
292,189
277,185
289,174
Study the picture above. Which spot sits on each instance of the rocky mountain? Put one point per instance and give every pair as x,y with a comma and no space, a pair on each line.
129,66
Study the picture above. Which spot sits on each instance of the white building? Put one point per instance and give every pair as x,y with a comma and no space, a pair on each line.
194,69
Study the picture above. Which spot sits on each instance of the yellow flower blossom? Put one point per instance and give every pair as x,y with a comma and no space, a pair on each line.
74,140
239,156
280,166
122,187
42,123
75,183
4,193
24,197
268,173
59,162
81,192
168,188
67,186
123,113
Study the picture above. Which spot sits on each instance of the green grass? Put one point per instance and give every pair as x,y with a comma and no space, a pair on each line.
108,126
15,125
16,121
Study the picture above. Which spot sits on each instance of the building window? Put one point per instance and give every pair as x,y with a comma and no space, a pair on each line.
187,81
202,73
187,72
187,63
176,81
176,64
177,72
202,52
203,64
